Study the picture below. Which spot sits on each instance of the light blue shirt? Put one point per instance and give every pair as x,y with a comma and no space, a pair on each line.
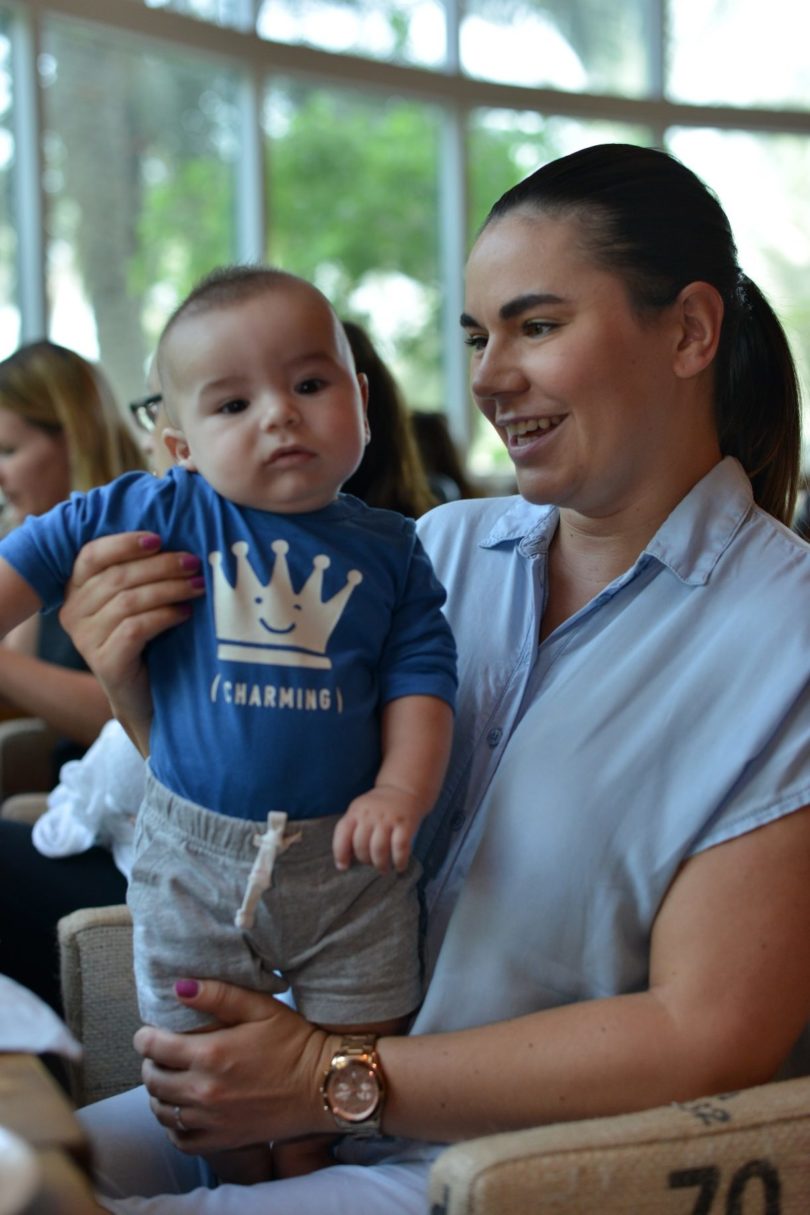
671,713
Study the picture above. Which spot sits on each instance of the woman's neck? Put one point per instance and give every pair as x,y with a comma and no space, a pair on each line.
586,555
580,566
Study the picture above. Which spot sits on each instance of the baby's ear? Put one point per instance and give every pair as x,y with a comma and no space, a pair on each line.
178,448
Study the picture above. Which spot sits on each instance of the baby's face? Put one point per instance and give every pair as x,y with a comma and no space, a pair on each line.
271,409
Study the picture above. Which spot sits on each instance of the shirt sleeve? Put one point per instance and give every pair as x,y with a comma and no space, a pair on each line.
43,549
420,653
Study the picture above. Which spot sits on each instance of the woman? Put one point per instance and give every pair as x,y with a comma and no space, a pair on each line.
60,430
391,474
606,929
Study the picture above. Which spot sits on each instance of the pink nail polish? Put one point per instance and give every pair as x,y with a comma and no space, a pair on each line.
150,542
189,562
198,581
187,988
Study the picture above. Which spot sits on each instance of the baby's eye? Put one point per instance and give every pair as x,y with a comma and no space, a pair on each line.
308,387
238,405
477,341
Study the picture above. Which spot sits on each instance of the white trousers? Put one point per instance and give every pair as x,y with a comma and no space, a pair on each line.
134,1156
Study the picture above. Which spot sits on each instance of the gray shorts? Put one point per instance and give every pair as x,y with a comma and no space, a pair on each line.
346,943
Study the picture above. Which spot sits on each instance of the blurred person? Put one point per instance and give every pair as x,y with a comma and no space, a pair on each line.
60,430
440,456
391,474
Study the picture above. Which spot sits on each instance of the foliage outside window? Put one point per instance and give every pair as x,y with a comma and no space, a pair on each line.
140,154
369,164
363,184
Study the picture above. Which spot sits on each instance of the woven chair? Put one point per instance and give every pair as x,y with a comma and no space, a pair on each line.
98,997
745,1153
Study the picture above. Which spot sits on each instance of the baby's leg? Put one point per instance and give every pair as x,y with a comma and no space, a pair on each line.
296,1157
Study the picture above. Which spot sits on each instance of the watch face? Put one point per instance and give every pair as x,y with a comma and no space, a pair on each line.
353,1091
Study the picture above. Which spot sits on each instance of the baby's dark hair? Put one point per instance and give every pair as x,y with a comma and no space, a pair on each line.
646,217
231,285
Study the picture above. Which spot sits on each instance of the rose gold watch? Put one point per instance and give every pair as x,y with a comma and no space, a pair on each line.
353,1086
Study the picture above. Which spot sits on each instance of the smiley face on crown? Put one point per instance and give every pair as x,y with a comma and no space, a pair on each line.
273,623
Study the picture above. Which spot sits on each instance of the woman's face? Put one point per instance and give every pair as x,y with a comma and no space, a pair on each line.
34,469
580,389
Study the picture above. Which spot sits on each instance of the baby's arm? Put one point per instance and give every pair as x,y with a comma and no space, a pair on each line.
17,599
379,826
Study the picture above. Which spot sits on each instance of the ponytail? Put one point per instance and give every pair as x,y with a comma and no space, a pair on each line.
758,402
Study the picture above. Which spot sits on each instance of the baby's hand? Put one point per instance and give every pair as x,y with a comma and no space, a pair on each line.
377,829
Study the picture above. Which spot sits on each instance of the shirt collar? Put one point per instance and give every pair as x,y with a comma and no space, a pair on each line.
696,534
522,523
690,541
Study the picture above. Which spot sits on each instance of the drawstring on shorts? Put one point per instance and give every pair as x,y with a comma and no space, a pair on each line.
270,845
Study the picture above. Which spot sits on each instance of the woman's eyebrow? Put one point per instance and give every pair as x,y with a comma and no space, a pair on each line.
513,308
522,303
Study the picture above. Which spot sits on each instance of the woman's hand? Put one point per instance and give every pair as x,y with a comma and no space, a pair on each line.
254,1078
122,594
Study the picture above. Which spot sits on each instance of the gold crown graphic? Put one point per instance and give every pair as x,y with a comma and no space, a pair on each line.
274,623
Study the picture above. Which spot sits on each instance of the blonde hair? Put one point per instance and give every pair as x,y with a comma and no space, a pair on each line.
56,389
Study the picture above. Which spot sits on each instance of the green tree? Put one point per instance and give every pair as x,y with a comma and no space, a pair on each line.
138,179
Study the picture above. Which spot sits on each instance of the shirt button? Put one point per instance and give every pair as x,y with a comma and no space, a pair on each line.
494,736
457,821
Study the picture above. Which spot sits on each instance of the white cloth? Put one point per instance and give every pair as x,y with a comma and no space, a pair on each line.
28,1024
95,801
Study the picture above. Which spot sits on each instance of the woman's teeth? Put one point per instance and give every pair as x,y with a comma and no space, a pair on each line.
526,426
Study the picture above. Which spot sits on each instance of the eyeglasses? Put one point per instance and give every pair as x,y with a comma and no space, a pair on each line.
145,410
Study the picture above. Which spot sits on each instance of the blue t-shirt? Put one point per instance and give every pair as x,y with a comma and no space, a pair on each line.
269,697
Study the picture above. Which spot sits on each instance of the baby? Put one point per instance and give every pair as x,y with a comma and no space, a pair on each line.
302,717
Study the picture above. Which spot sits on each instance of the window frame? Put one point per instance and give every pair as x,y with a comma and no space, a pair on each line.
260,60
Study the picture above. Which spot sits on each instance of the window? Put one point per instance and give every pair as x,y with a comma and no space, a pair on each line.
360,143
353,206
399,31
140,154
735,52
595,46
9,260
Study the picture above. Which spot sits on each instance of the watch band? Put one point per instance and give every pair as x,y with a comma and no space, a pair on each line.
355,1061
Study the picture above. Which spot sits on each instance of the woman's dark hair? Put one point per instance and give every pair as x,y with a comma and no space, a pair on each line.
440,456
647,218
391,474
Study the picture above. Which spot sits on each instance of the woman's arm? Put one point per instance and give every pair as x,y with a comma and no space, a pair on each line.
72,702
124,592
729,993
